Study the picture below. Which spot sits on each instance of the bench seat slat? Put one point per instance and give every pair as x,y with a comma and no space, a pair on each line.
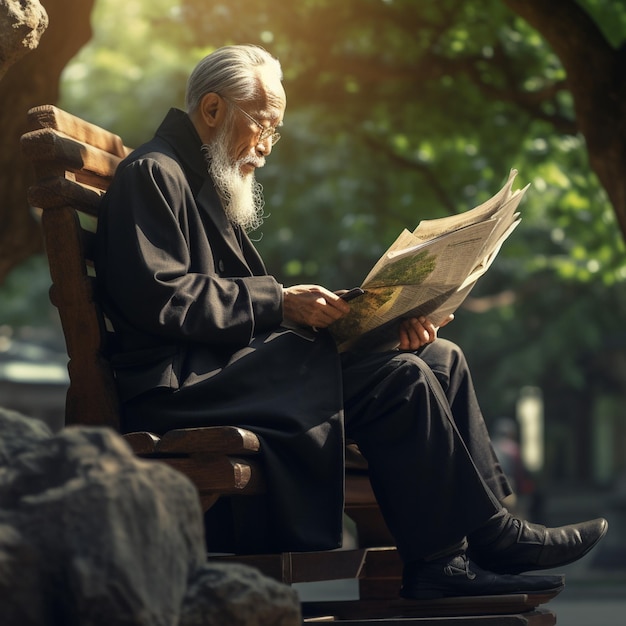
220,474
142,442
210,439
186,441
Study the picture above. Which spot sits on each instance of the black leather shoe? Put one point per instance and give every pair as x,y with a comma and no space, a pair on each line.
457,576
524,546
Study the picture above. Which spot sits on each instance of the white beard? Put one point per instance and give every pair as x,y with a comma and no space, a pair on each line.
242,195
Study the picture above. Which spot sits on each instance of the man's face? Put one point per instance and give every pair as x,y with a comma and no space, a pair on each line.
249,121
238,148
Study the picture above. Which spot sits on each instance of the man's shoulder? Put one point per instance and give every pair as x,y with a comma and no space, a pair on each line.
152,162
156,150
175,149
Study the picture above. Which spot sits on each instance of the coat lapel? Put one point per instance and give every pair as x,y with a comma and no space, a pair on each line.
209,202
180,133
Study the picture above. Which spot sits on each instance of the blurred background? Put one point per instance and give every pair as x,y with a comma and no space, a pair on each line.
397,111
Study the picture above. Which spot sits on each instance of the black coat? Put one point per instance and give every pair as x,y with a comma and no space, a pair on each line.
199,339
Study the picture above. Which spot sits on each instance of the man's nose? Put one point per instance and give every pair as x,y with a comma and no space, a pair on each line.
264,147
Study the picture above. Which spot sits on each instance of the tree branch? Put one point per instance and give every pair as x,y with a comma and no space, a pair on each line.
595,76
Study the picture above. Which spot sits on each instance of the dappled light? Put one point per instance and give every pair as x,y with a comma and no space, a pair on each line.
398,111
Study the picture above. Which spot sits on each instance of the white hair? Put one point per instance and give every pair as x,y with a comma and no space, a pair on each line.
229,71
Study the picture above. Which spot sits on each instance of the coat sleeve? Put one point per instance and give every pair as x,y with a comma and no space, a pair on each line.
157,277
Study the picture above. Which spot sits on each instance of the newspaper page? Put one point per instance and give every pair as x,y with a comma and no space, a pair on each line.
428,229
428,272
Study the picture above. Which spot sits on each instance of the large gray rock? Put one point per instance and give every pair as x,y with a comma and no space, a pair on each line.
91,535
19,434
229,594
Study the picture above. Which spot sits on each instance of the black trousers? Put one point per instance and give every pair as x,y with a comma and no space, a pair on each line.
414,416
416,419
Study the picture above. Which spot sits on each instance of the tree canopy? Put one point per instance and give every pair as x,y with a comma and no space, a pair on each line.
399,111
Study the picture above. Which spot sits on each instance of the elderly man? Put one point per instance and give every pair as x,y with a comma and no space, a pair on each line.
206,336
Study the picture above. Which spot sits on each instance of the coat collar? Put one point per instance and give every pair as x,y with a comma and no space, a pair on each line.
178,131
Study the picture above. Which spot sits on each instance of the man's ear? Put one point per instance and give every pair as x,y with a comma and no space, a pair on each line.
211,109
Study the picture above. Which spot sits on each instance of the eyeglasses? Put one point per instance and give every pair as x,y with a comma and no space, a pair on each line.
266,132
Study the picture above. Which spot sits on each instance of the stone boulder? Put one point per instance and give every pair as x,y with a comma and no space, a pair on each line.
90,535
236,595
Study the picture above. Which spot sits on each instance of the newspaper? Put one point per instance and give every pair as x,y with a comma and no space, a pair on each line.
428,272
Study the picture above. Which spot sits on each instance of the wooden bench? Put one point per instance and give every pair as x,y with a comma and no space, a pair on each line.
73,163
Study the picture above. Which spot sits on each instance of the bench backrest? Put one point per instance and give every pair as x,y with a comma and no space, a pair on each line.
74,162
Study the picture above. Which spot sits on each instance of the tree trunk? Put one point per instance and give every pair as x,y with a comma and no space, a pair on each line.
596,78
31,81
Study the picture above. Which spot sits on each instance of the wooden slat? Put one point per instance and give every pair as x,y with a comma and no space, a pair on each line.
221,474
379,583
49,116
517,607
59,191
302,567
142,442
49,149
537,617
210,439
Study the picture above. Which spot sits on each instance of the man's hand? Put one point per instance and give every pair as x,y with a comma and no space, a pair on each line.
416,332
312,305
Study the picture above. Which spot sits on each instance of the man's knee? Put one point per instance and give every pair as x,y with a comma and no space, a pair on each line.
442,349
446,360
444,356
410,369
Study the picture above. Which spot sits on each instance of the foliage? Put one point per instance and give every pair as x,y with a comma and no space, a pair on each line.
400,111
133,70
26,292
